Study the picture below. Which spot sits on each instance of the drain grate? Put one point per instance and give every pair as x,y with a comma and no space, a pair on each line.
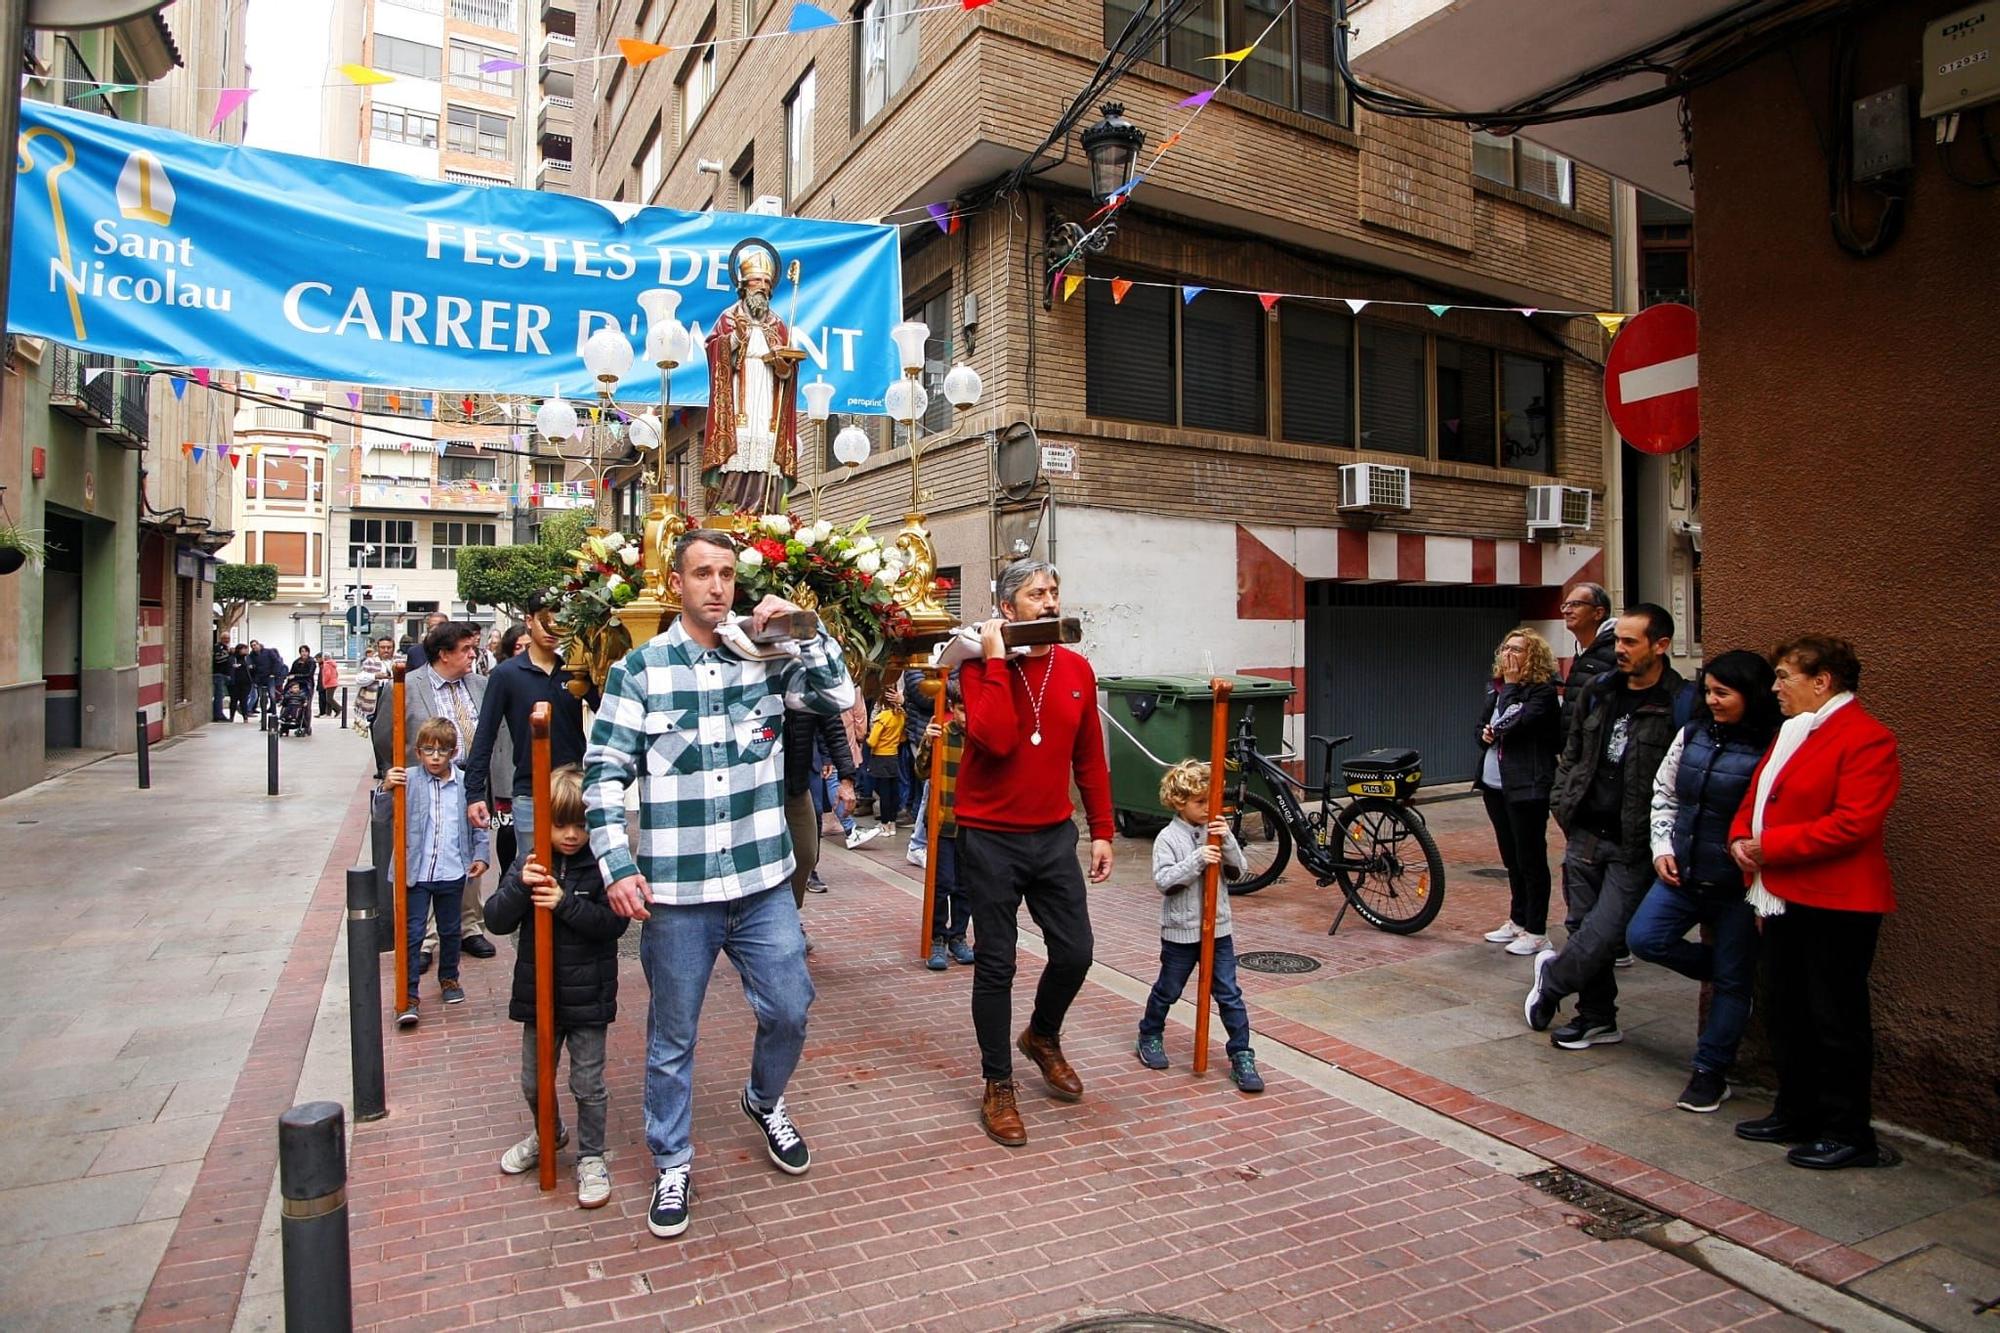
1136,1323
1273,960
1614,1216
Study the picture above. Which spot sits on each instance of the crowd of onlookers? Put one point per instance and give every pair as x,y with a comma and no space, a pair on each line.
1747,804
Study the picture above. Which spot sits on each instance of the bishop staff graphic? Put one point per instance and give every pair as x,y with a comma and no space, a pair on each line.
55,170
145,193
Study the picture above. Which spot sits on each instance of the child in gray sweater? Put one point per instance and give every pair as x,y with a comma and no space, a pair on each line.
1181,855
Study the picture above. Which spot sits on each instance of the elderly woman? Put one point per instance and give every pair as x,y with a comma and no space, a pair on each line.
1520,732
1810,839
1699,787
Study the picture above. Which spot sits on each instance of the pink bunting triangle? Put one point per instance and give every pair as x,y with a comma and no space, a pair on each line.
200,376
1269,299
227,101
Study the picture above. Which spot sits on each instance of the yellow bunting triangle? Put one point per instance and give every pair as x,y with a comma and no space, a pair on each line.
1071,281
637,52
364,76
1611,321
1242,54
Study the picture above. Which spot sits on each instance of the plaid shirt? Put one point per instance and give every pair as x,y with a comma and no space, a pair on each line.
702,729
954,751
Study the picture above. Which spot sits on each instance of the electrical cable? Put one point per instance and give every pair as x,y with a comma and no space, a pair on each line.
1986,143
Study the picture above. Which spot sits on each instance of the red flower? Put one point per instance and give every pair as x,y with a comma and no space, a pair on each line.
946,585
771,549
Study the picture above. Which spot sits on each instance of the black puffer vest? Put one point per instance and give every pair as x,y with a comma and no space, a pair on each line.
1714,780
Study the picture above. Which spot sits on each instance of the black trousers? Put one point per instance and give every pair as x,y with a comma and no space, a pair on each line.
1822,1031
1001,871
1521,828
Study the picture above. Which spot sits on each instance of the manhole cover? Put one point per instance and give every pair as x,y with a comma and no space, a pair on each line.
1271,960
1137,1323
1613,1216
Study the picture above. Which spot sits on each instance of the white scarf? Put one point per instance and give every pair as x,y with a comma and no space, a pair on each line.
1791,737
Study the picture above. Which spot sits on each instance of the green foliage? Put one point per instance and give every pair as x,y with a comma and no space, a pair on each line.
506,576
236,586
562,532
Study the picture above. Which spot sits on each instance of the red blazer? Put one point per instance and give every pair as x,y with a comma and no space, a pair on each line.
1823,823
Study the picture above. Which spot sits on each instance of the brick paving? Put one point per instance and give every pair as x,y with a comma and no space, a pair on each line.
1158,1193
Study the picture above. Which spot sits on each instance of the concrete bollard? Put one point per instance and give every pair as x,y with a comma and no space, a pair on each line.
271,763
312,1186
145,753
364,996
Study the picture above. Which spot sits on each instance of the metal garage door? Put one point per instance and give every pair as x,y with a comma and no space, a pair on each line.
1399,665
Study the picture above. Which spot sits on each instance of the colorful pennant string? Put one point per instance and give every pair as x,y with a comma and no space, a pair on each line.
227,102
810,18
364,77
637,52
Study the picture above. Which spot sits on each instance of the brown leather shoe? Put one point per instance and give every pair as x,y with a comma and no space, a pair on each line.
1047,1054
998,1115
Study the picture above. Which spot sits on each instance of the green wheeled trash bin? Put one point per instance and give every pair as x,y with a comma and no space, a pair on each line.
1154,722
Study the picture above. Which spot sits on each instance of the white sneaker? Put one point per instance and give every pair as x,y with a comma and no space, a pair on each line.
526,1155
1503,933
1525,944
856,836
593,1182
884,831
915,855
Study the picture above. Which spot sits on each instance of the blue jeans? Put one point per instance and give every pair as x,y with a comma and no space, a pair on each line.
920,804
445,897
219,689
826,793
677,949
1658,935
1177,963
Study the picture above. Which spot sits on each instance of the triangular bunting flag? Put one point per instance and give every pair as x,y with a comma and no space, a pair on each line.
1270,300
1071,281
637,52
197,453
292,450
428,405
1611,322
499,65
1438,310
1527,310
353,398
186,448
364,76
1242,53
90,376
465,406
180,387
285,392
1172,139
1198,99
974,4
942,215
1189,293
234,458
1120,286
200,374
1354,305
808,18
227,101
395,401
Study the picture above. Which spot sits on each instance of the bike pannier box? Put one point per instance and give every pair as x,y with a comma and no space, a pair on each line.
1392,773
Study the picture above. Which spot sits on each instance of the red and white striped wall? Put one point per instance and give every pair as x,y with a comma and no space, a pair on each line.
153,669
1350,555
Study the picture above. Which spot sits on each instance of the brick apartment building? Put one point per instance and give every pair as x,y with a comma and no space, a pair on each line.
1195,505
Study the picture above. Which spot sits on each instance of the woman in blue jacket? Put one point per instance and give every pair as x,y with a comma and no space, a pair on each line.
1702,780
1520,732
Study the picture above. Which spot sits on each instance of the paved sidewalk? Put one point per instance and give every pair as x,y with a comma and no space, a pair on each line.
142,936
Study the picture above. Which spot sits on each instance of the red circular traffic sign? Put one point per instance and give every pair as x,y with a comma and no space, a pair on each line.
1650,381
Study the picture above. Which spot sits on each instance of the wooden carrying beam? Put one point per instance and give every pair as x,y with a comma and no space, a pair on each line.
400,802
1211,876
545,955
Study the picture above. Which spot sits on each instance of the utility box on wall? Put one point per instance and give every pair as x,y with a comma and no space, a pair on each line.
1960,68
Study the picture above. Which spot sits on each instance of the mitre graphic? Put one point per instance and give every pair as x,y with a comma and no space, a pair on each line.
145,192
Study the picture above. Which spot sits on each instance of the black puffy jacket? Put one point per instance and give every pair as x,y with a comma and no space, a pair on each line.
1713,778
1528,742
587,932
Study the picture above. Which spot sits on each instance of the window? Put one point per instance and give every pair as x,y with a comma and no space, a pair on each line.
1393,407
1128,350
799,109
744,174
1152,357
935,311
652,165
382,543
548,474
1527,413
1222,369
396,402
285,481
480,133
1291,66
746,17
457,467
286,550
448,539
1464,403
466,60
1528,167
885,53
1316,356
398,125
697,83
487,13
414,60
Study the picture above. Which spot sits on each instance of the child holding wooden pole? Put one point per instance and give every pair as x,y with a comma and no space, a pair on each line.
1181,855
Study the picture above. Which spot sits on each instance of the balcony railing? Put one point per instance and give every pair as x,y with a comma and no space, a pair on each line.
501,14
134,407
93,401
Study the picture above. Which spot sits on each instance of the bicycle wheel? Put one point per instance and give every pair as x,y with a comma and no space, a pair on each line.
1266,842
1402,887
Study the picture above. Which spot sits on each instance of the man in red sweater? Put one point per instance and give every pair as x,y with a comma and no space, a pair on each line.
1030,723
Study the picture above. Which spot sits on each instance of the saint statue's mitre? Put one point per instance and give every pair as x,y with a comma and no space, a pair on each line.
145,191
756,264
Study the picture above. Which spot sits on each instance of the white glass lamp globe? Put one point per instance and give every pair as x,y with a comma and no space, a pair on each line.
963,386
645,432
662,306
555,419
910,337
906,400
666,344
606,355
819,399
850,447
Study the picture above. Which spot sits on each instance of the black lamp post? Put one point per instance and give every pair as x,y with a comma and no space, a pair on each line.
1112,145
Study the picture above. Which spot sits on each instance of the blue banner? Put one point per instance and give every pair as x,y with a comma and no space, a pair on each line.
147,244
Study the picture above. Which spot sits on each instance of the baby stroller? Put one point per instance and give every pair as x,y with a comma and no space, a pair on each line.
295,703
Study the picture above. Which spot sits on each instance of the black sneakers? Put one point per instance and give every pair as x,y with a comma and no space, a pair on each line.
1541,1004
1705,1092
1582,1033
408,1018
781,1137
668,1215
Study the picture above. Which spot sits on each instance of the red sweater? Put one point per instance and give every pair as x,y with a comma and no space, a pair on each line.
1823,822
1010,785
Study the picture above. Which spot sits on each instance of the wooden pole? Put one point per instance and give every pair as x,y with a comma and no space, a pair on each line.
545,956
400,802
1211,877
934,686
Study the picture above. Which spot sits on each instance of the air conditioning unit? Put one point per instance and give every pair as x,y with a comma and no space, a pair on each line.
1374,488
1558,507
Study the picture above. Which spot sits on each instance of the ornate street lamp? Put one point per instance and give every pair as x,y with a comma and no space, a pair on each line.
1112,146
819,402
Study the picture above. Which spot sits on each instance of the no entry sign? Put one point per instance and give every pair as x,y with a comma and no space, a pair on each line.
1650,380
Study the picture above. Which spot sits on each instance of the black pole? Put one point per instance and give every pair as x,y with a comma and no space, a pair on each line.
271,762
145,753
312,1184
382,839
343,708
364,996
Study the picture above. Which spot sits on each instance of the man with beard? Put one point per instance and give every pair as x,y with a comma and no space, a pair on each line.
1030,724
751,452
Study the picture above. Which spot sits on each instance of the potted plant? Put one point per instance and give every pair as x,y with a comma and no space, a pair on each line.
19,545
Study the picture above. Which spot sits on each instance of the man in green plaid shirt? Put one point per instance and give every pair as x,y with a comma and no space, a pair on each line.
701,729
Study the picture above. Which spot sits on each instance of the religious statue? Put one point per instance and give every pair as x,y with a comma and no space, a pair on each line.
750,455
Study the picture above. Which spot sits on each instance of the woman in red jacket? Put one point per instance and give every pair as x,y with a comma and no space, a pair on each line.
1810,839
